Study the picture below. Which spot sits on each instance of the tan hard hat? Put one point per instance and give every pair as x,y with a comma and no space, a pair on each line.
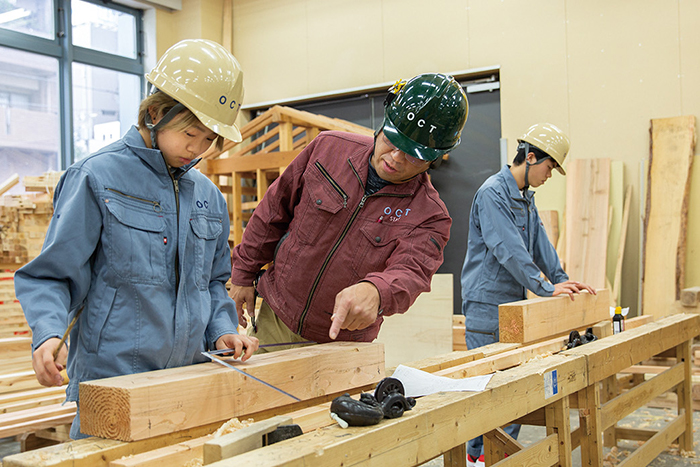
204,77
550,139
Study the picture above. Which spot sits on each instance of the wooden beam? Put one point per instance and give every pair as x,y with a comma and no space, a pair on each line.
144,405
613,354
97,452
543,317
655,445
16,423
438,422
272,160
11,181
243,440
640,395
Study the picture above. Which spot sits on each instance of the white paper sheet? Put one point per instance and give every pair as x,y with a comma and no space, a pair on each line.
418,383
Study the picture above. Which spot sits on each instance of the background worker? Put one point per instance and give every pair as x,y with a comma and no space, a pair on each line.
508,250
138,243
354,226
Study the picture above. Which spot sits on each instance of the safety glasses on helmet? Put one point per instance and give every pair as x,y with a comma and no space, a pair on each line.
413,160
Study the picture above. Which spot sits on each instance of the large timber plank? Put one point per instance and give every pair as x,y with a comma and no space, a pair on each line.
144,405
436,424
587,200
666,213
613,354
543,317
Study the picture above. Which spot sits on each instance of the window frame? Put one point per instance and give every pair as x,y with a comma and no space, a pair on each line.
61,47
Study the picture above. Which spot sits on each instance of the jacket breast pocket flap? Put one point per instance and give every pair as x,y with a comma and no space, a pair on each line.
322,194
380,235
207,229
137,219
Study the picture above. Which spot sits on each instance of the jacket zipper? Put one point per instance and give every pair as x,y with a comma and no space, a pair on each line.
342,236
176,189
156,204
333,183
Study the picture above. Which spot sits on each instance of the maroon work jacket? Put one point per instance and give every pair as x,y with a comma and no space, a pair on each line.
337,236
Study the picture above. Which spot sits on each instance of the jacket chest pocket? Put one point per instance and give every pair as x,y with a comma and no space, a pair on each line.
375,245
321,200
206,234
137,250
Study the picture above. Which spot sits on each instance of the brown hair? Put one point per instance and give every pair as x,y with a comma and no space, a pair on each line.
162,103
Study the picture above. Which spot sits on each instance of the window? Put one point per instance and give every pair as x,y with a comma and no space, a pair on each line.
71,79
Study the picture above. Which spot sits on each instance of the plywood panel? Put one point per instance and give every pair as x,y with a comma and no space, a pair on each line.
587,200
550,221
425,330
666,213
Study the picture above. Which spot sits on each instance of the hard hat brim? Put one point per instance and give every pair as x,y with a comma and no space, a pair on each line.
230,132
409,146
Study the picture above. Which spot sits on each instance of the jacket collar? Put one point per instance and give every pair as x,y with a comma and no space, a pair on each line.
513,190
153,157
360,162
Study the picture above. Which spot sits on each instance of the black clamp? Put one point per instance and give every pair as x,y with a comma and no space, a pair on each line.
388,401
576,339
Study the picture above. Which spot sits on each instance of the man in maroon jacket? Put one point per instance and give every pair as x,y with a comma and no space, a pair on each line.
353,227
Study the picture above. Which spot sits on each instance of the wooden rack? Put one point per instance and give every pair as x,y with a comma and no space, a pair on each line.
243,172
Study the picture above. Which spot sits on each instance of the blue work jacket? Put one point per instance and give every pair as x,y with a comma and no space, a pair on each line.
508,248
113,245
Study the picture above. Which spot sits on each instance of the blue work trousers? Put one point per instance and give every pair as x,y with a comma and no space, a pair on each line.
481,322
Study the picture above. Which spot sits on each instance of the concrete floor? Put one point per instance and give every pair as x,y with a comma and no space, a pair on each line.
643,418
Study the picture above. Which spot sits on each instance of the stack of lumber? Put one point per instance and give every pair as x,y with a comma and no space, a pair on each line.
45,183
244,172
24,220
12,322
25,405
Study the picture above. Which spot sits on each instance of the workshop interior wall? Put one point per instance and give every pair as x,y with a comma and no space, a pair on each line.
600,70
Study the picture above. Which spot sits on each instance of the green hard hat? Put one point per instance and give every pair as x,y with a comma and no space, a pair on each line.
426,117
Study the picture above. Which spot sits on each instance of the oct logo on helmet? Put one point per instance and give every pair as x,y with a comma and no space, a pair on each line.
204,77
426,118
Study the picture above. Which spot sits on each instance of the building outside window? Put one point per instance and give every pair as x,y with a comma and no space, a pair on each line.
70,81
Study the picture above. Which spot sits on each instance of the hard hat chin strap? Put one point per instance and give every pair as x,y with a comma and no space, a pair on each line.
170,114
528,164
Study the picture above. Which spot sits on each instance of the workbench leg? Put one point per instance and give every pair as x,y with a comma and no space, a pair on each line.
589,420
557,419
493,451
610,391
498,444
685,395
456,457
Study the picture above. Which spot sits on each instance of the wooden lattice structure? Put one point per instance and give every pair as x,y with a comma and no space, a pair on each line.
244,171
